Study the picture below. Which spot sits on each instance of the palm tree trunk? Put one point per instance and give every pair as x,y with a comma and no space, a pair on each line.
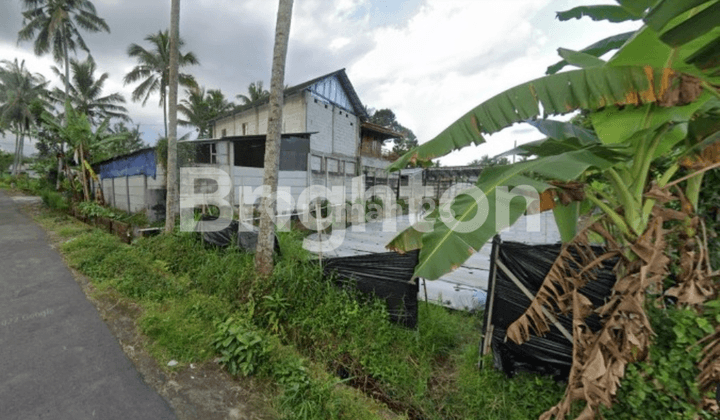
165,112
171,176
17,154
266,237
21,153
67,96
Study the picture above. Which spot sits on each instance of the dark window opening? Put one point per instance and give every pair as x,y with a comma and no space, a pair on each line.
251,154
206,153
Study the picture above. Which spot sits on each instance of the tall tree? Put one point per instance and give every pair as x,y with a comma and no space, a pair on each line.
153,70
57,24
386,118
19,91
487,161
131,140
86,93
264,254
256,93
174,61
199,107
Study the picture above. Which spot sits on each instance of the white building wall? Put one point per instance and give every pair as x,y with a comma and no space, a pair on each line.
320,120
345,133
137,193
255,120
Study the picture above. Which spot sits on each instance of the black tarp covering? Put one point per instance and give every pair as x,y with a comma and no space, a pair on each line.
551,354
387,275
246,238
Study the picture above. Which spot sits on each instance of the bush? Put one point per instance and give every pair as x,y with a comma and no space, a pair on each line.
664,386
54,200
243,349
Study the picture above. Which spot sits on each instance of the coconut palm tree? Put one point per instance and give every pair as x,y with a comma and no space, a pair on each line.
153,70
265,245
200,107
86,93
20,92
57,24
256,93
173,81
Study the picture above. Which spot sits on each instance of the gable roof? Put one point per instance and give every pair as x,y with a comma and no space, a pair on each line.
358,108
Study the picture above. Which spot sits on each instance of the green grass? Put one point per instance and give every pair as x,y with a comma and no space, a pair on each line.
320,341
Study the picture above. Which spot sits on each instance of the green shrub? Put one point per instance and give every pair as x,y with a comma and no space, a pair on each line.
93,209
179,326
664,386
243,349
54,200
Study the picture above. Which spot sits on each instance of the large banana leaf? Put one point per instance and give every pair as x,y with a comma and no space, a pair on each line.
561,130
694,27
596,50
446,245
667,10
600,12
636,7
614,125
590,89
695,56
580,59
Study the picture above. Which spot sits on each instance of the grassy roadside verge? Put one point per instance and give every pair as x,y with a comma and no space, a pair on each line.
317,351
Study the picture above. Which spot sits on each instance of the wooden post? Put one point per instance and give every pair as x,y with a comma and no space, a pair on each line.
486,342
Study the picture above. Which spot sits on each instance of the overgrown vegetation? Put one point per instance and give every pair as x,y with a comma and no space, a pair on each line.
326,352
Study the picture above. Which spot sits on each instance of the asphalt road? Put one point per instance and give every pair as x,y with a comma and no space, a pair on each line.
58,359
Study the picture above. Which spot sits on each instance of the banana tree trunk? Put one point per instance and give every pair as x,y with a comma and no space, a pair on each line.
83,176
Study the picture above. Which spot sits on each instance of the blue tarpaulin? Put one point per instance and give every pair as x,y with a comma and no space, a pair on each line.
141,162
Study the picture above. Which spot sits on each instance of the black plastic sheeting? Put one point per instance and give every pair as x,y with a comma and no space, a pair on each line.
551,354
246,239
386,275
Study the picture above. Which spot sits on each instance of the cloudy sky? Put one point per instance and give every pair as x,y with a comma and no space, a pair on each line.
430,61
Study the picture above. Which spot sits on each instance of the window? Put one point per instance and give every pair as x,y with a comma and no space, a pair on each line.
250,154
350,168
223,132
316,163
244,129
332,165
206,153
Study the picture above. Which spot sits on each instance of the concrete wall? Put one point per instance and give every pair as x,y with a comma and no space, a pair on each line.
338,130
137,193
255,120
374,162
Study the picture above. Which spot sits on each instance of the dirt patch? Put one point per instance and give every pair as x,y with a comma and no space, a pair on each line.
205,391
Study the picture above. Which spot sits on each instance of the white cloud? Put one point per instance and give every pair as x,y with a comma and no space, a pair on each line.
448,57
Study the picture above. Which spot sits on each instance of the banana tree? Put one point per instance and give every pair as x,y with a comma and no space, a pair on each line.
83,142
655,99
